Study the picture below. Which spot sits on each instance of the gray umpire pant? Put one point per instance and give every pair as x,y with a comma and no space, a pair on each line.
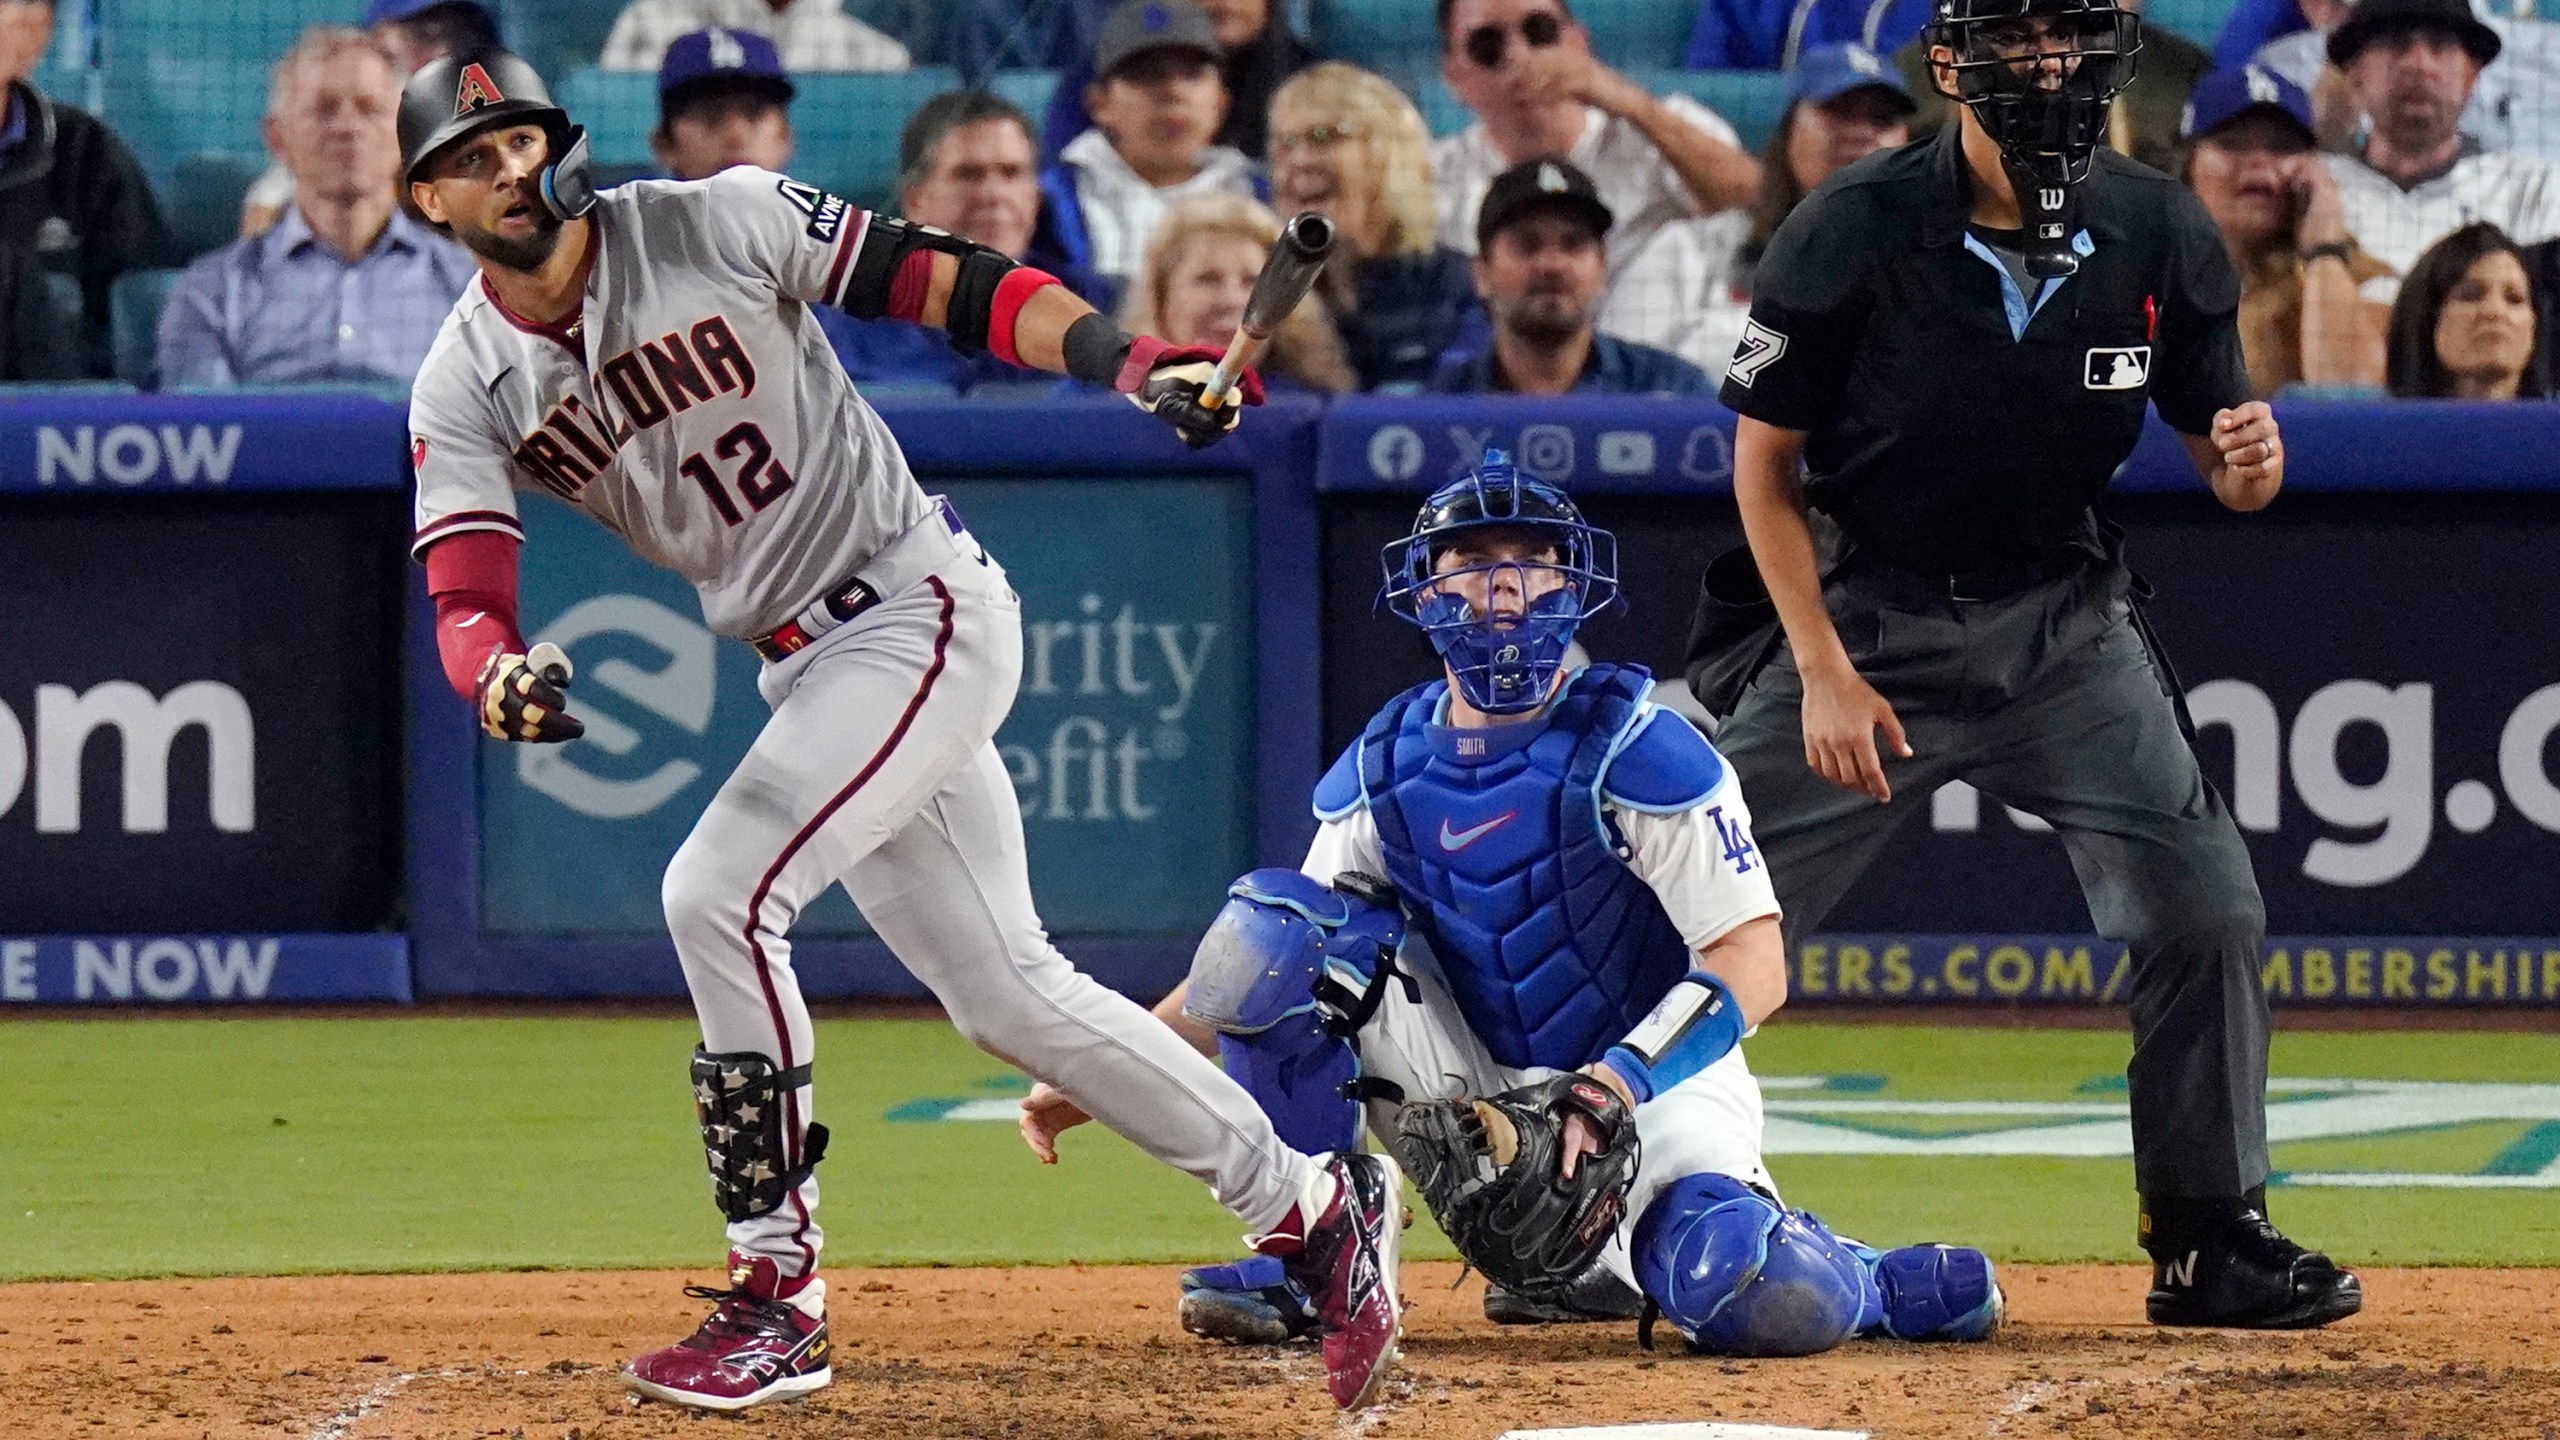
2049,701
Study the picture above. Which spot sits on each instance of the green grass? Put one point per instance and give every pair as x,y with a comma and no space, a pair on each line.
273,1146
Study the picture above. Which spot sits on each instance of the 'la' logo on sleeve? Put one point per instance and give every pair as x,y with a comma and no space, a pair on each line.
2128,368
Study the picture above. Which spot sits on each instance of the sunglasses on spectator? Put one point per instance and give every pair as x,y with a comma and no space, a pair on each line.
1313,138
1486,43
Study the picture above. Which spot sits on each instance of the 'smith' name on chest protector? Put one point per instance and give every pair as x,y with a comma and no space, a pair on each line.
1552,947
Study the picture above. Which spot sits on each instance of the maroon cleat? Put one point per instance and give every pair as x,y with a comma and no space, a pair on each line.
757,1346
1346,1263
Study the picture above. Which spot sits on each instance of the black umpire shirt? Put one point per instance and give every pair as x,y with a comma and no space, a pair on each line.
1961,419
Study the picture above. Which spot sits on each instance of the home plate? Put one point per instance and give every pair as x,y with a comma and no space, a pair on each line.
1684,1430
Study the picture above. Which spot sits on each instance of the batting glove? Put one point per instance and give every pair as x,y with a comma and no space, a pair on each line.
520,696
1167,382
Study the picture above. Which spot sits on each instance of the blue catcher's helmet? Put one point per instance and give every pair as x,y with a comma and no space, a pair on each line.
1504,663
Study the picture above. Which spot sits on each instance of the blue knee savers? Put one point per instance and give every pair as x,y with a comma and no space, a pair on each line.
1284,976
1739,1276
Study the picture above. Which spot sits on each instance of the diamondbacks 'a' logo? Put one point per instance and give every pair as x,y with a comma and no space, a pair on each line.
474,90
1758,347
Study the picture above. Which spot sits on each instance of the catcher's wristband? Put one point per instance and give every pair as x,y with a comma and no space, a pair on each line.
1697,1024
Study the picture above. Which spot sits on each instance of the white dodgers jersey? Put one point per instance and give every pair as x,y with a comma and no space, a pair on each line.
692,406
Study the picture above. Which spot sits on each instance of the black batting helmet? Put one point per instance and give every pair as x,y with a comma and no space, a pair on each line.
458,96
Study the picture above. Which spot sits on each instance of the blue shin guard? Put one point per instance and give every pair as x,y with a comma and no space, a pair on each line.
1296,1070
1738,1275
1938,1292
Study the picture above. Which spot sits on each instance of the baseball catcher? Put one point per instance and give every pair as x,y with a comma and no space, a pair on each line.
1525,948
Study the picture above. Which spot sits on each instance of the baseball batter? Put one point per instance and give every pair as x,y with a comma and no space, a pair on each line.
649,357
1531,933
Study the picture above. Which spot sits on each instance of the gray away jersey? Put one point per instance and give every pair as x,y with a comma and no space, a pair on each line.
695,408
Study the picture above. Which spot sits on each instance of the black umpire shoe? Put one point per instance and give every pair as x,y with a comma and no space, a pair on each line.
1593,1297
2246,1276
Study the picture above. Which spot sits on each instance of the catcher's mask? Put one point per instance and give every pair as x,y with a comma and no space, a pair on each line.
454,98
1506,659
2039,75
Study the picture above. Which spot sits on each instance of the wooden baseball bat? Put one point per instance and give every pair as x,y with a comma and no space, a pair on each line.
1285,279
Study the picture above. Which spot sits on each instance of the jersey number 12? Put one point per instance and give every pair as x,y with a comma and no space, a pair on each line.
761,480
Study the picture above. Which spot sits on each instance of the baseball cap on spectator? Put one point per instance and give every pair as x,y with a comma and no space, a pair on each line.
2226,95
719,61
2373,19
1535,185
1827,72
1142,26
378,12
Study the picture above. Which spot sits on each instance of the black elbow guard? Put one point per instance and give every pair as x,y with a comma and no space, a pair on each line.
871,292
973,298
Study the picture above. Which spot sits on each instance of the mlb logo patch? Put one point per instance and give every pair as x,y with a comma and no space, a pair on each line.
2124,368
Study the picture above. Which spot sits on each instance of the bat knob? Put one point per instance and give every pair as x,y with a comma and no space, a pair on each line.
551,663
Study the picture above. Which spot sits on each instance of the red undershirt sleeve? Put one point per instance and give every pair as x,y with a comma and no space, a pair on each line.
472,576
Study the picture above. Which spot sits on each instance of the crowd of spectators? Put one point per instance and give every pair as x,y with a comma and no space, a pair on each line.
2378,169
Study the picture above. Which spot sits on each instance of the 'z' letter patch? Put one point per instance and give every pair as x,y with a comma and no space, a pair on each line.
2128,368
1759,346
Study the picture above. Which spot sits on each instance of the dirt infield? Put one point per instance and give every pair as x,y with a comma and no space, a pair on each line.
1085,1354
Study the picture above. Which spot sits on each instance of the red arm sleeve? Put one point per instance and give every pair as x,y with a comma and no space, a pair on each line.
472,576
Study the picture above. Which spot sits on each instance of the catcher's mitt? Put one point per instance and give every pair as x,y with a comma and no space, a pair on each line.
1492,1171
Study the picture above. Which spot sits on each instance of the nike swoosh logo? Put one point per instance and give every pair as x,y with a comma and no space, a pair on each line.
1456,840
476,617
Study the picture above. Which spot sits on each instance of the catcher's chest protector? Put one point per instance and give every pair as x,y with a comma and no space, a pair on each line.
1552,947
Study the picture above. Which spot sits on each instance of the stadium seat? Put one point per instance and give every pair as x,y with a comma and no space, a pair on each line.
2198,20
923,26
1750,100
181,76
1029,89
59,300
1626,33
203,198
561,36
847,124
558,36
135,303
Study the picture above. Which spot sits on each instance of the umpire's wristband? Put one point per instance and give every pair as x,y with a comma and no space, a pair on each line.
1697,1024
1095,351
